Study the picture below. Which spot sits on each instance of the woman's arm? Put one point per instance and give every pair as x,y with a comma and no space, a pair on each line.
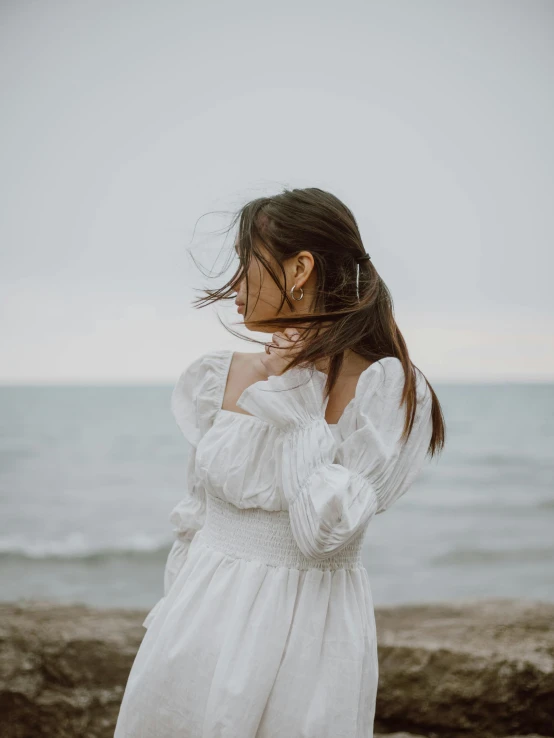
334,489
188,516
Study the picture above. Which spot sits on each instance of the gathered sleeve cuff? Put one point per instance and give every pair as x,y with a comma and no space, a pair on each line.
187,518
333,489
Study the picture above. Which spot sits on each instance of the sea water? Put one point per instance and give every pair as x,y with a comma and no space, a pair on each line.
89,475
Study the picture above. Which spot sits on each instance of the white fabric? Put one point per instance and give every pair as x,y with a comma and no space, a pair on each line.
266,628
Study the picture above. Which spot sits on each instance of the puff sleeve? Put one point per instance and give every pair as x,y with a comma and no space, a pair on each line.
334,488
188,516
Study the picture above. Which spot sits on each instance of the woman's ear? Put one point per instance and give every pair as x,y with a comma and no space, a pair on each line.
304,265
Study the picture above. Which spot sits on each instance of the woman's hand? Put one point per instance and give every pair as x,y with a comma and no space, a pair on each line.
283,346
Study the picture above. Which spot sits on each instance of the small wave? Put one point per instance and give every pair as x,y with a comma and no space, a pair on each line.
76,547
465,556
520,507
510,461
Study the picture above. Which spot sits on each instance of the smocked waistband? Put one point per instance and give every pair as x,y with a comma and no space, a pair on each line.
266,536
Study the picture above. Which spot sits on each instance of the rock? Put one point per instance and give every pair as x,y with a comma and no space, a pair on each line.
397,735
477,669
63,669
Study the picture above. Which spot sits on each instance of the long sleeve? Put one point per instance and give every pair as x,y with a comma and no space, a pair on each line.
333,489
188,516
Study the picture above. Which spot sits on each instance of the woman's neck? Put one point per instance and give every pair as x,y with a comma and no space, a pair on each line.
353,363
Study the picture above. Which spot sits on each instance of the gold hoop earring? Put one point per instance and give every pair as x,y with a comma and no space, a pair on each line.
292,293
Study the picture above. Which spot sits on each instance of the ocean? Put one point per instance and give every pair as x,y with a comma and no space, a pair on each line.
89,475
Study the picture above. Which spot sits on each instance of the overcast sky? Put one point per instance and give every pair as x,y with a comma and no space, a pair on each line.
123,123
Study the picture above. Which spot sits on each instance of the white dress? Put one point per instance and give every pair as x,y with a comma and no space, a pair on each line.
266,628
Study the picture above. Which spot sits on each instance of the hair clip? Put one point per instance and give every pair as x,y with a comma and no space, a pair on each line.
364,257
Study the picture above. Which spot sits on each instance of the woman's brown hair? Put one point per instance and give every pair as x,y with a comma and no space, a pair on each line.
355,309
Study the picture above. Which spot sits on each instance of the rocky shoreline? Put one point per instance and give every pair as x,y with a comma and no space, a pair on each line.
479,668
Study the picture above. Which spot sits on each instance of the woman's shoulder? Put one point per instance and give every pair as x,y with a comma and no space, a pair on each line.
386,378
198,392
380,392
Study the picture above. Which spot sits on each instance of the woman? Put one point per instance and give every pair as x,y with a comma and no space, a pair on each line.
266,628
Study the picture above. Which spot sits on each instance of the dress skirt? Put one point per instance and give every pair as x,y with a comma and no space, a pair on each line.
256,640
